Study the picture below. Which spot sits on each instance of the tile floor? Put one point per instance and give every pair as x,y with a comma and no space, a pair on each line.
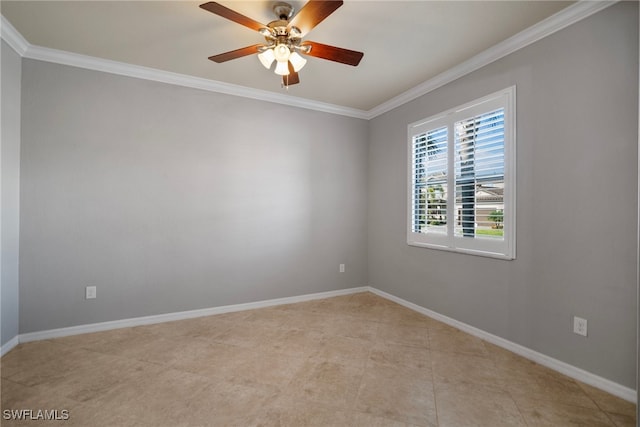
356,360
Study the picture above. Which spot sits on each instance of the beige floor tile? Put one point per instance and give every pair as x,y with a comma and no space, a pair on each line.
300,414
224,404
155,349
608,402
302,321
336,322
155,397
131,389
136,346
401,356
559,389
327,383
413,336
246,335
398,315
357,306
360,419
520,371
13,395
365,315
353,327
295,342
177,350
263,369
210,330
352,360
621,420
455,368
392,393
455,341
337,304
554,414
93,376
53,369
368,301
27,356
368,298
345,350
271,317
211,359
16,397
472,405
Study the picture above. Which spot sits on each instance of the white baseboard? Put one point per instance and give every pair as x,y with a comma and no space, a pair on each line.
564,368
168,317
9,345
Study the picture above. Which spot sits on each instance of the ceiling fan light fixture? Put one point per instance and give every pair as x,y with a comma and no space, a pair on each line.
282,68
305,48
266,32
281,52
295,32
297,61
266,58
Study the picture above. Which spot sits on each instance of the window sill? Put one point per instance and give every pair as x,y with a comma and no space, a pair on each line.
463,251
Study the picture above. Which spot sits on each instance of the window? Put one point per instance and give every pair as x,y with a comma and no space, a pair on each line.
462,178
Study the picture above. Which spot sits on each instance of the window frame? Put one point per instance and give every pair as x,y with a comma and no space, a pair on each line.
502,249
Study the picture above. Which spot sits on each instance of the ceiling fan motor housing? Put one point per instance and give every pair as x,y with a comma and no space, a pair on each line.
281,33
283,10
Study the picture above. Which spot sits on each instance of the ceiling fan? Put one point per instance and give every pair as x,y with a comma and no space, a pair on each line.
284,44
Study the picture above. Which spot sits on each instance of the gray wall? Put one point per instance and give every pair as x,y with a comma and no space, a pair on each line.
10,179
577,133
168,199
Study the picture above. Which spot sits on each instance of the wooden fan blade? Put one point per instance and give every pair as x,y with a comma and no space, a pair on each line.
332,53
232,15
313,13
233,54
293,78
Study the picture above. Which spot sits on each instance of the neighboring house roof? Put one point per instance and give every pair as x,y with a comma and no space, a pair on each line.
490,194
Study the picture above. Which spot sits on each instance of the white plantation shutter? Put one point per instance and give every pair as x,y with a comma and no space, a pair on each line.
461,194
479,165
429,193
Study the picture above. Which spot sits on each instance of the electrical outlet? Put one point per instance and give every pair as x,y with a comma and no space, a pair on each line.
580,326
90,292
341,268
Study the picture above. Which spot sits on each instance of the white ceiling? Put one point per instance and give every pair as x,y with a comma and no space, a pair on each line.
404,42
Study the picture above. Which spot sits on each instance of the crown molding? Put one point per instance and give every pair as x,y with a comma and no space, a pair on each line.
13,38
146,73
570,15
27,50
